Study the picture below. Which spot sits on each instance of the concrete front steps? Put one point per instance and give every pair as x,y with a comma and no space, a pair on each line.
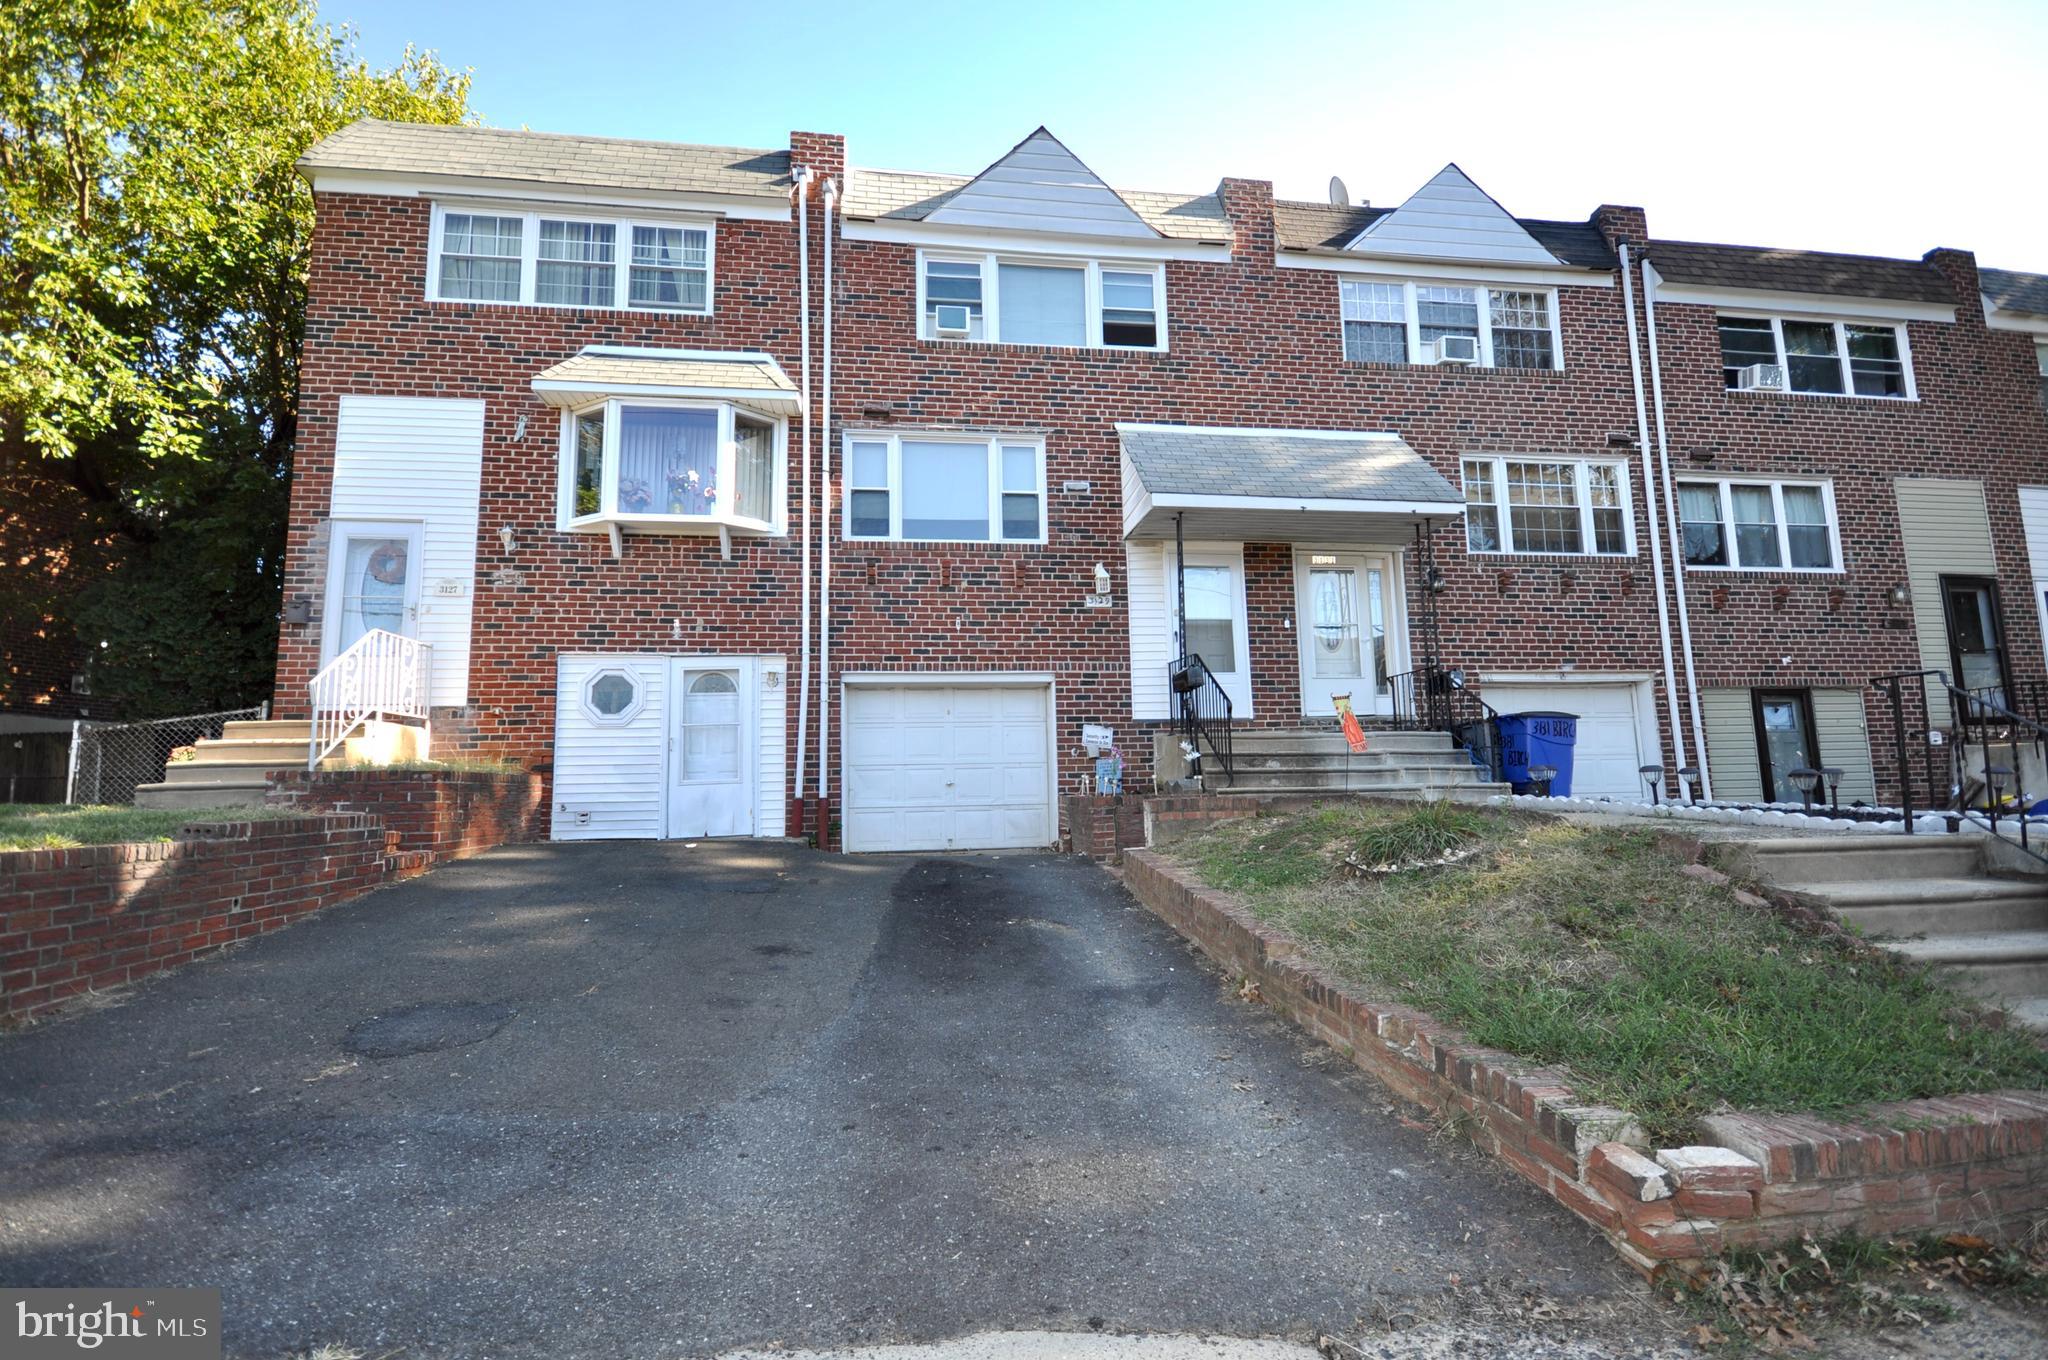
1937,899
1269,762
231,770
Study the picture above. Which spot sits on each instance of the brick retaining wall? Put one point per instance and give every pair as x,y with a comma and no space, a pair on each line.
1978,1160
428,815
101,915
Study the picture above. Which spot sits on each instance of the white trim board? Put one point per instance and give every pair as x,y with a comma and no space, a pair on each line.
1398,271
903,232
1800,306
737,207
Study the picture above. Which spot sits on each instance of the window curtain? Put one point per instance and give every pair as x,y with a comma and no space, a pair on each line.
1042,306
668,461
945,491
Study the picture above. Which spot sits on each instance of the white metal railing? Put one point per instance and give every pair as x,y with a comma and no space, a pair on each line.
384,675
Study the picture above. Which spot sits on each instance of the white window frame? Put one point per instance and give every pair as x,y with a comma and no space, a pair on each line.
1841,325
529,256
566,518
1483,291
1724,486
1583,490
995,444
992,302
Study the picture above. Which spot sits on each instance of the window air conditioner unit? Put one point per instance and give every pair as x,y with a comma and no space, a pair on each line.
949,321
1457,349
1760,378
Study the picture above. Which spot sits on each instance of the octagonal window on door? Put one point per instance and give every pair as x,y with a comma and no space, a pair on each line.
612,697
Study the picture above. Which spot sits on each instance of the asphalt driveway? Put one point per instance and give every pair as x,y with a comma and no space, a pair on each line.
656,1100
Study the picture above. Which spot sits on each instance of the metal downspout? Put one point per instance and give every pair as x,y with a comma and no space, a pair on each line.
825,503
1635,372
1692,688
801,175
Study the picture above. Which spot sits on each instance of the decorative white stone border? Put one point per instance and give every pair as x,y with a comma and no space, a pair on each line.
1773,814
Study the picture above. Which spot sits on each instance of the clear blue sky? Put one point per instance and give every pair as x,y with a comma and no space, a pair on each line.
1881,127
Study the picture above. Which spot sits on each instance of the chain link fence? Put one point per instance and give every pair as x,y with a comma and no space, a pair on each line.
108,761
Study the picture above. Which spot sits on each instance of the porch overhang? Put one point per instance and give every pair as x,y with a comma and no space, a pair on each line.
1278,486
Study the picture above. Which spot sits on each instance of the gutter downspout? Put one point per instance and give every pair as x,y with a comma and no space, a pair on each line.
1692,687
825,503
1635,373
801,177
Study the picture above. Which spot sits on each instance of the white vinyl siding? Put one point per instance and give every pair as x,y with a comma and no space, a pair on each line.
1451,218
1946,532
1040,186
560,258
1844,739
610,777
420,459
616,772
1151,625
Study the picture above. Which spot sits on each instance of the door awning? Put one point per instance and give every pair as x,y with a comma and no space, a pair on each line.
748,377
1278,486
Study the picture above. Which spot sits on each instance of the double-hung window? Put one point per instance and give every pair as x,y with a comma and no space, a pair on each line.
1426,323
1758,526
1821,358
668,465
1541,505
945,488
563,259
1084,304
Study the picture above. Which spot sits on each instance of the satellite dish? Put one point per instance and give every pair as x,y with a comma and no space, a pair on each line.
1339,196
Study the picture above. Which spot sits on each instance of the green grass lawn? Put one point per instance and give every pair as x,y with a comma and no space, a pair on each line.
1587,947
59,826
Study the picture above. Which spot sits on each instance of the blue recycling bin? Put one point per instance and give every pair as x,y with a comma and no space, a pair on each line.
1538,739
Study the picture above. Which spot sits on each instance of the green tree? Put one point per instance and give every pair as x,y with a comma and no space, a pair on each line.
154,238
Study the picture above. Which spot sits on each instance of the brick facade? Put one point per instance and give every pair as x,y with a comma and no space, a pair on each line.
1251,344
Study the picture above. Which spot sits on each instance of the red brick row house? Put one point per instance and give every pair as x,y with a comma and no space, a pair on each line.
744,490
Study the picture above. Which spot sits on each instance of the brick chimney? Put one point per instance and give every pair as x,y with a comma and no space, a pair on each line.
824,153
1622,226
1248,203
1959,267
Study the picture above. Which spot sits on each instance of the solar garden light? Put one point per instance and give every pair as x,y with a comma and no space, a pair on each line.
1653,775
1833,775
1540,776
1994,777
1805,780
1690,777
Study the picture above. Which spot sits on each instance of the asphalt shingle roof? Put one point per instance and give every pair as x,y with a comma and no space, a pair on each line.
374,145
600,369
1194,461
1799,271
2012,291
907,196
1320,227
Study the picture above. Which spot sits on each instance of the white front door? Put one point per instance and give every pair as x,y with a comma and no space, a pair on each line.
711,789
373,581
1346,603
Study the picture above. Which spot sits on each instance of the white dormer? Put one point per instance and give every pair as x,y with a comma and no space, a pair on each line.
1040,186
1451,218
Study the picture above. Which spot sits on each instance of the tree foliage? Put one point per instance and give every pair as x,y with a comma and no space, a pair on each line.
154,237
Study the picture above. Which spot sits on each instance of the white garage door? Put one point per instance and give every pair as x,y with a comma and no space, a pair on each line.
947,767
1609,753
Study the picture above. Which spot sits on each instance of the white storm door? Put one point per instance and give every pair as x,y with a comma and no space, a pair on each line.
711,782
373,582
1216,620
1344,602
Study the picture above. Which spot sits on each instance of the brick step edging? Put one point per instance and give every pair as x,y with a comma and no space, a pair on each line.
1980,1160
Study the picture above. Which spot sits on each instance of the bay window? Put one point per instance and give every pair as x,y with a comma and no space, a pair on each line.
1402,323
1082,304
1758,525
569,259
1820,358
1539,505
667,464
945,488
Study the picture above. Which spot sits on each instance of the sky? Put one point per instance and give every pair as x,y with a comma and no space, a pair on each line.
1873,127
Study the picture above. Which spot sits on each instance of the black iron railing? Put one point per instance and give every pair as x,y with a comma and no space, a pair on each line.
1920,763
1990,755
1444,699
1201,712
